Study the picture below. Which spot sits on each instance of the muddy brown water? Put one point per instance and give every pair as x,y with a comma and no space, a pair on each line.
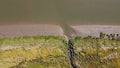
60,11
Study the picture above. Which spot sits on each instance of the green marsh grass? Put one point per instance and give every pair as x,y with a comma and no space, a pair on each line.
24,52
93,52
51,52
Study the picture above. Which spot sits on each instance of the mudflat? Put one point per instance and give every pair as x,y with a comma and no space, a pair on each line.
94,30
30,30
56,30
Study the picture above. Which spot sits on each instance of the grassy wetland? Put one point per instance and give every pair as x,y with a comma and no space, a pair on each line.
102,52
51,52
33,52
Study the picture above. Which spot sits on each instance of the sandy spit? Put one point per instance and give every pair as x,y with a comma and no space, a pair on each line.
94,30
51,29
30,30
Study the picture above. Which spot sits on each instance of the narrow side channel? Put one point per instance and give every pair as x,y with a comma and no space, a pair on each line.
71,53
